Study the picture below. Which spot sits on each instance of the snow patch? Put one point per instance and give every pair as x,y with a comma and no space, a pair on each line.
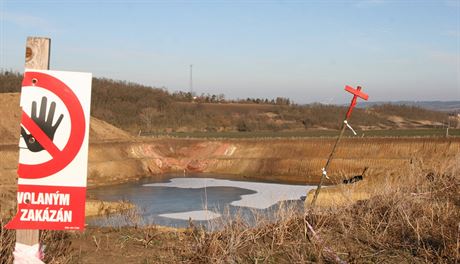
267,194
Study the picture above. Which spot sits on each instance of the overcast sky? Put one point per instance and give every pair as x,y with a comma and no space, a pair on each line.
305,50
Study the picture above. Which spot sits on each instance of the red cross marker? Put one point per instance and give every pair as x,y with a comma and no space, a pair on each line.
357,93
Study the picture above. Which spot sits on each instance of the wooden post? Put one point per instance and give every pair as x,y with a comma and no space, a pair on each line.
37,58
38,53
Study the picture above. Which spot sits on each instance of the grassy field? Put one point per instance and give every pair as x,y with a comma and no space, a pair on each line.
438,132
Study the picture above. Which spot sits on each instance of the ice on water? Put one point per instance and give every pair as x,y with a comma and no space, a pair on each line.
267,194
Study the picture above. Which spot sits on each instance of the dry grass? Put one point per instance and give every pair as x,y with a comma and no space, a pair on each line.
57,243
301,160
7,240
413,220
98,207
411,217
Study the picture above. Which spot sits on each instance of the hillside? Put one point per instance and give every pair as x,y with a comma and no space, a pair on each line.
135,108
9,124
445,106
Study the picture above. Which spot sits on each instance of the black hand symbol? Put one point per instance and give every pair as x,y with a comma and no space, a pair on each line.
45,124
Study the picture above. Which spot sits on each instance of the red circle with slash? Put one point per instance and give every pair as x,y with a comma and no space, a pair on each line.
60,157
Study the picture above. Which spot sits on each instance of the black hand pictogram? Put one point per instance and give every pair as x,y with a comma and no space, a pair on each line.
45,124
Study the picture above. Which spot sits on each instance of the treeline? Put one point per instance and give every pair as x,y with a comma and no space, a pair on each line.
135,107
410,112
181,96
123,103
10,82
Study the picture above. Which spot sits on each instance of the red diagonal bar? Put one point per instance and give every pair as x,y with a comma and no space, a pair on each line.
39,135
356,92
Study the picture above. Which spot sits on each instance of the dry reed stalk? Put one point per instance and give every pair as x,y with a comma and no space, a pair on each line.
392,224
7,241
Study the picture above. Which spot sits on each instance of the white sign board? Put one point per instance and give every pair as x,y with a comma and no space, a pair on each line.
53,153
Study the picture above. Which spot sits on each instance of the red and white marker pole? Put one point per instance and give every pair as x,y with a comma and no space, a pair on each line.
356,93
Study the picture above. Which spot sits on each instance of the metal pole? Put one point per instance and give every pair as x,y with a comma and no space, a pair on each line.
324,175
356,93
191,81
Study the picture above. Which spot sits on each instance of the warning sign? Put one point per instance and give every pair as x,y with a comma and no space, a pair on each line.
53,152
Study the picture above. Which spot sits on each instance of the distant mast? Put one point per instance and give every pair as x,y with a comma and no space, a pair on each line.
191,81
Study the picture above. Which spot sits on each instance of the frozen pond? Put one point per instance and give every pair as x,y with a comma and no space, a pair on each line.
176,199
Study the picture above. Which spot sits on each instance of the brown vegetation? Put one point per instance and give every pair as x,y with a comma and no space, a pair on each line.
98,207
411,218
416,221
135,107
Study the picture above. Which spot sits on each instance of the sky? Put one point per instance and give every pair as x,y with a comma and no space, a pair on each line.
303,50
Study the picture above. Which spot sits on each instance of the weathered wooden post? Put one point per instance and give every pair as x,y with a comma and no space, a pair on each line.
37,58
357,93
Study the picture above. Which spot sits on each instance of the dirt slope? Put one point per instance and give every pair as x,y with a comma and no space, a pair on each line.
11,114
10,118
115,156
100,133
